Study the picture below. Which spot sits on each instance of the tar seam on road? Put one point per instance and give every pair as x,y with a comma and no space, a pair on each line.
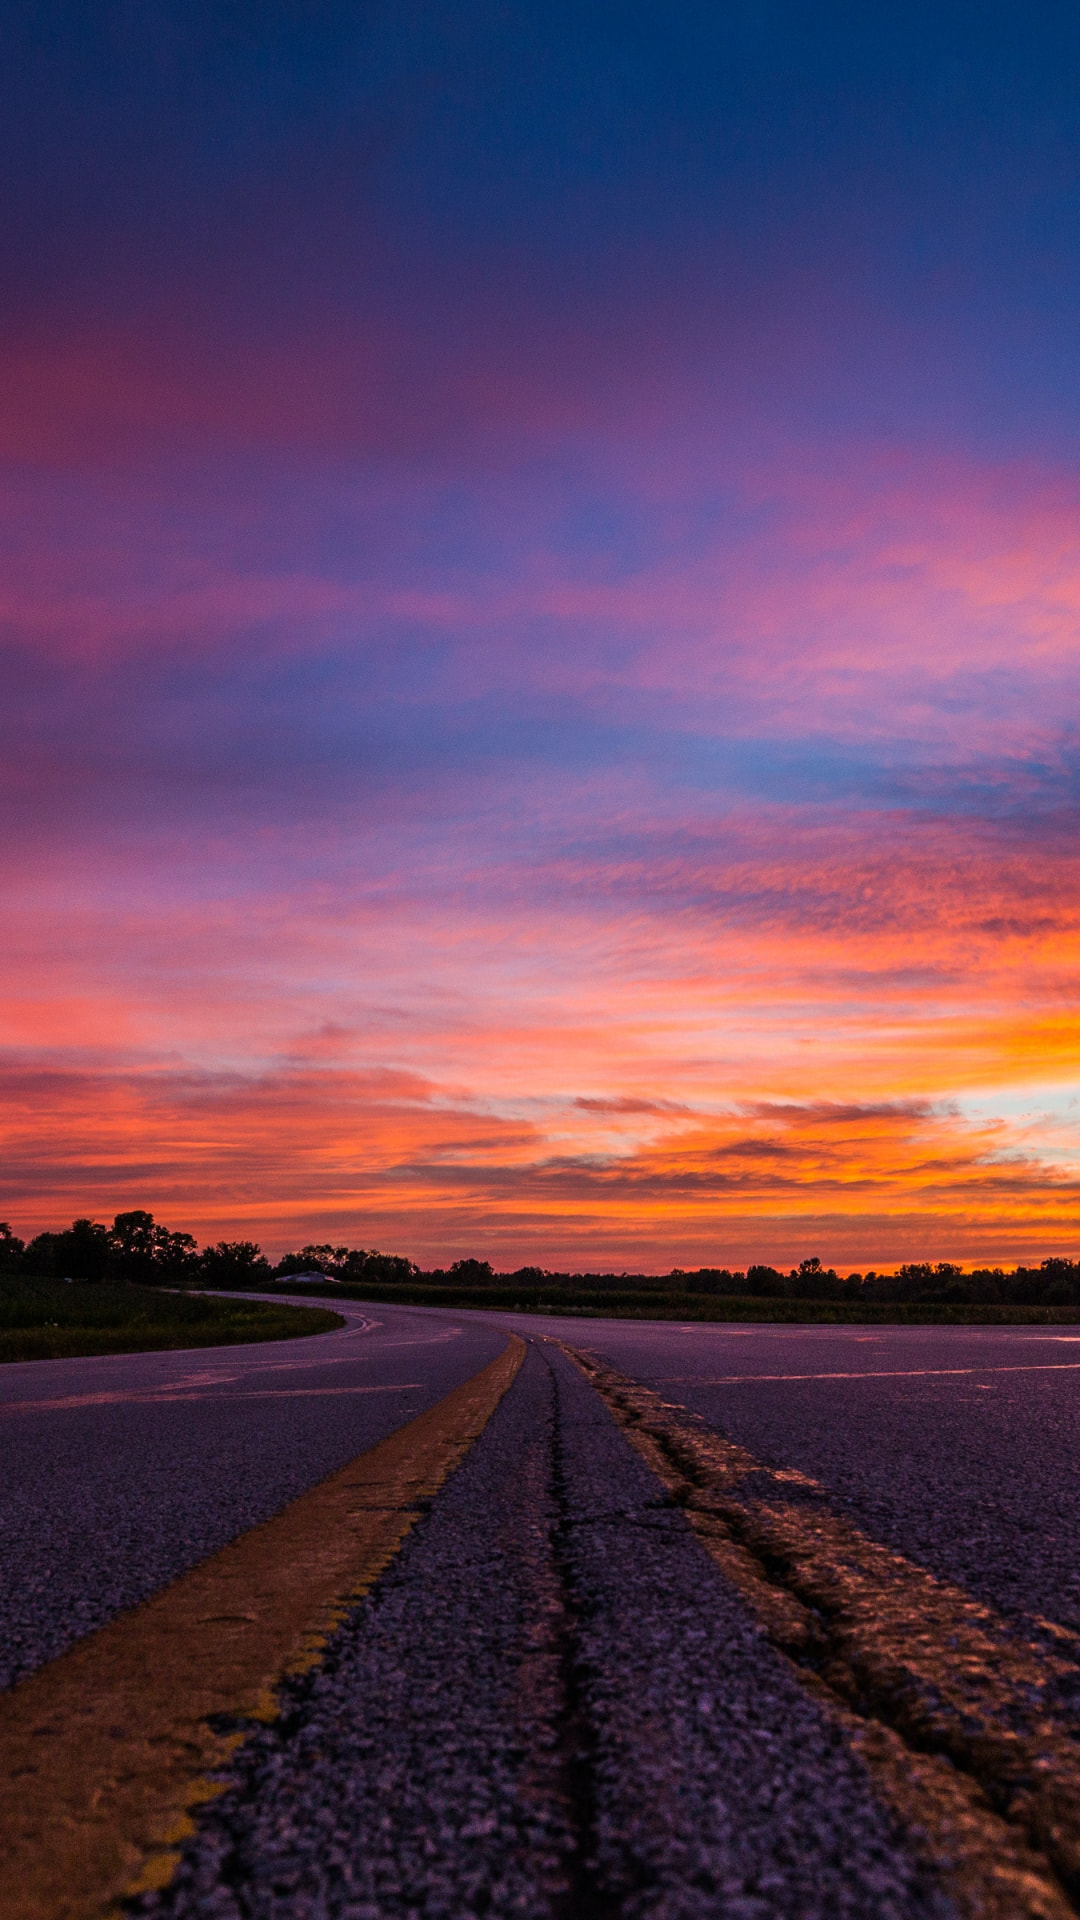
584,1898
104,1752
970,1732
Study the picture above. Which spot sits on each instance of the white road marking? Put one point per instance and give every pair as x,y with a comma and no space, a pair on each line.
176,1390
885,1373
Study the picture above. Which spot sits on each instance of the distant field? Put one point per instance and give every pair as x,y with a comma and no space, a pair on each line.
50,1320
644,1305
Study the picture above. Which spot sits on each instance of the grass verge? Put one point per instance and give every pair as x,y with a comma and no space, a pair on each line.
644,1305
51,1320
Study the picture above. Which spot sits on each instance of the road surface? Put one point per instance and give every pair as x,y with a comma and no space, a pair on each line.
710,1621
121,1471
959,1446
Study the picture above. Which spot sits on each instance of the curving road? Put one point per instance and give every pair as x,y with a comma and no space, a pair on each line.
122,1471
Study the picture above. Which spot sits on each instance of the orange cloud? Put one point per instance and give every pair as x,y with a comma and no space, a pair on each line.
383,1158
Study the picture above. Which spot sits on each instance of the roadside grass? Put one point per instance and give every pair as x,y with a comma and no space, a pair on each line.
641,1304
55,1320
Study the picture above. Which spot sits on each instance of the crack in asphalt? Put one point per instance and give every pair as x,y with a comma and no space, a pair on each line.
970,1703
584,1899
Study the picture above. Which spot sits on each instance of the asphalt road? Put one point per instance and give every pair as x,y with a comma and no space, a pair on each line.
958,1446
121,1471
562,1700
551,1706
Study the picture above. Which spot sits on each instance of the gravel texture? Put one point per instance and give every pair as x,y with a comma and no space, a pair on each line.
972,1474
165,1457
551,1705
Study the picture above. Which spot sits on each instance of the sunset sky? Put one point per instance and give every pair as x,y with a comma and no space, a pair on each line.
541,600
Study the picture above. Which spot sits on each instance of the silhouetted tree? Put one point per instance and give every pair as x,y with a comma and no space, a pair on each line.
353,1265
765,1282
11,1250
234,1263
141,1250
380,1268
811,1281
80,1252
711,1280
472,1273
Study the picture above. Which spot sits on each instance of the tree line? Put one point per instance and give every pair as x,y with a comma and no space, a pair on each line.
1055,1282
137,1248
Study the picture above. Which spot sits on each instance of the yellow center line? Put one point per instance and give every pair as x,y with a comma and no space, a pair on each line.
104,1752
